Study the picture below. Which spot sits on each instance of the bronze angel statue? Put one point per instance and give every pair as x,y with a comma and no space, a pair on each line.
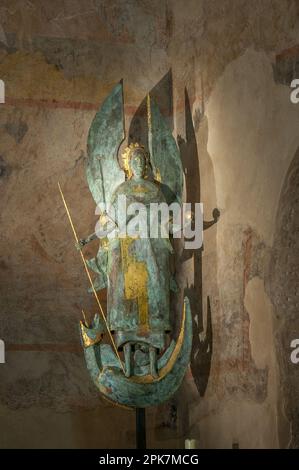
146,364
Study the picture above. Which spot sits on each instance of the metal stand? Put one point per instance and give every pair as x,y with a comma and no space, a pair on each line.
140,429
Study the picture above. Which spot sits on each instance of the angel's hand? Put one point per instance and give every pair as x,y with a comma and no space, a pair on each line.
189,218
80,244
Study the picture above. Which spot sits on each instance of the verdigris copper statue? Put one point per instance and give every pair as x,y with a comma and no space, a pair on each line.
144,365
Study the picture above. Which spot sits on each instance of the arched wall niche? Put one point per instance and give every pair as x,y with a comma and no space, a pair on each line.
284,290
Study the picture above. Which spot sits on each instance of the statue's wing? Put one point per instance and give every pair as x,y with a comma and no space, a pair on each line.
105,136
165,155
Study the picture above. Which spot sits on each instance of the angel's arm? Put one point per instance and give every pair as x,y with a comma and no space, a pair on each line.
84,241
107,225
175,228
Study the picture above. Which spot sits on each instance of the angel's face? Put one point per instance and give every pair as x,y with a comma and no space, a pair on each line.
137,163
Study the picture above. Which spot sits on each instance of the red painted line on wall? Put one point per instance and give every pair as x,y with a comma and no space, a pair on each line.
54,104
47,347
51,104
80,105
288,53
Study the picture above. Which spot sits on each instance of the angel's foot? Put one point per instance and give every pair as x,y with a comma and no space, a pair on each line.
92,334
127,354
153,361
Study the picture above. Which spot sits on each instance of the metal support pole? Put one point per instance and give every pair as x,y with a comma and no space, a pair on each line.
140,429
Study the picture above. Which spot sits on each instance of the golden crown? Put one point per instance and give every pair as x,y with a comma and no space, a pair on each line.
127,154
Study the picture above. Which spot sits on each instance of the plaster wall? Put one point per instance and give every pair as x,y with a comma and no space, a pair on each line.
59,60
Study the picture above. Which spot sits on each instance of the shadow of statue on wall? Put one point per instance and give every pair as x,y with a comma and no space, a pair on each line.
167,422
162,94
202,348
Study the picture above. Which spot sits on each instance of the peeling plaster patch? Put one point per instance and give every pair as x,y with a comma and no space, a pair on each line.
47,380
3,265
261,338
3,39
259,309
242,256
16,128
4,169
286,65
38,249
